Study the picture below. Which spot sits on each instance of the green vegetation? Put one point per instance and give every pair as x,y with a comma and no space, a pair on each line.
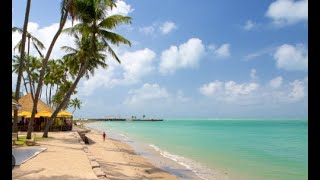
22,140
93,37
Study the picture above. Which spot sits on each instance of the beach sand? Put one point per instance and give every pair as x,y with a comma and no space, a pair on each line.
118,160
66,159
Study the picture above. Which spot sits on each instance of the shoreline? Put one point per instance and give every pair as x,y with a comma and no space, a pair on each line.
119,160
162,160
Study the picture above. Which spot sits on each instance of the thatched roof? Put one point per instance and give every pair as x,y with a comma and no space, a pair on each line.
27,104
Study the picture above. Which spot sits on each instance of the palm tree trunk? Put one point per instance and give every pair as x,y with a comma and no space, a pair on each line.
50,103
65,99
23,41
42,72
28,44
47,94
28,71
24,83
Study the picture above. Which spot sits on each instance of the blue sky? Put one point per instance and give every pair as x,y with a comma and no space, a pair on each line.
213,59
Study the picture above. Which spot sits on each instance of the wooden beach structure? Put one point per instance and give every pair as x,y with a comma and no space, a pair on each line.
63,122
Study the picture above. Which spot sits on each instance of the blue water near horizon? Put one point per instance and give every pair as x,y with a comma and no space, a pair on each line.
254,149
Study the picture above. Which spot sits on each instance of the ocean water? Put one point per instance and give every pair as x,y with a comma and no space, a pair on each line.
204,149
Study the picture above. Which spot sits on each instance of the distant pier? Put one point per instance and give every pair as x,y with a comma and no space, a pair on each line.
144,119
124,119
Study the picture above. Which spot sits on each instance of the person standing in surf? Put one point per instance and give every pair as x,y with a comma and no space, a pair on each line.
104,136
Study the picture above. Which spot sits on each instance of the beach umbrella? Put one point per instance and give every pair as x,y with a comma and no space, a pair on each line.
44,113
23,113
64,114
29,116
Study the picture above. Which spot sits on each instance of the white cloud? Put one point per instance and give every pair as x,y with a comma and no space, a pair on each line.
285,12
148,30
276,82
267,50
164,28
234,89
291,57
137,64
297,93
221,52
211,88
167,27
148,92
272,93
253,74
101,78
134,66
187,55
227,90
122,8
45,35
249,25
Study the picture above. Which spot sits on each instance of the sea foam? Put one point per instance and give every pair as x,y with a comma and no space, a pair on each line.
198,169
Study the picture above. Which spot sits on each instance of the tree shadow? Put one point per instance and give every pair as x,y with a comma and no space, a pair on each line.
61,177
17,173
114,172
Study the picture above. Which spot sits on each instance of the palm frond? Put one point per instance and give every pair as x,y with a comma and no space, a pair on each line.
17,46
68,49
16,29
37,42
114,38
110,50
35,46
111,22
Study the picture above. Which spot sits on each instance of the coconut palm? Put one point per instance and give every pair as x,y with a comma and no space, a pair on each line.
75,103
22,54
95,29
37,44
15,69
67,9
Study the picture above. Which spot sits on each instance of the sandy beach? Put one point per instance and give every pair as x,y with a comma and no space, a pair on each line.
65,158
118,160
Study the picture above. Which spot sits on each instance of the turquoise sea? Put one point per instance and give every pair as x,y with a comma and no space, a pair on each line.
239,149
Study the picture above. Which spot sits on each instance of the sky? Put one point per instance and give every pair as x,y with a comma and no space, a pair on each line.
210,59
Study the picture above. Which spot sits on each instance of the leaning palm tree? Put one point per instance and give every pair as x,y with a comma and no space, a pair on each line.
76,104
22,56
67,9
83,59
95,29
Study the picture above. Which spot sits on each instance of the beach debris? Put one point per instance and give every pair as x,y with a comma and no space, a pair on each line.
98,172
94,164
147,171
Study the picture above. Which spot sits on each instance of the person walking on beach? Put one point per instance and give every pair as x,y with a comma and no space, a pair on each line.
104,136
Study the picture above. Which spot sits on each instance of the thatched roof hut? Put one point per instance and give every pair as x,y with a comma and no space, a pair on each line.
27,104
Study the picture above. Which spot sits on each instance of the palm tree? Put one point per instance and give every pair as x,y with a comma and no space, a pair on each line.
37,44
22,54
94,28
15,69
67,8
76,104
